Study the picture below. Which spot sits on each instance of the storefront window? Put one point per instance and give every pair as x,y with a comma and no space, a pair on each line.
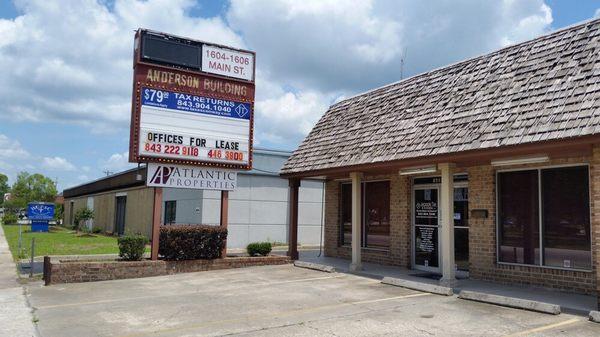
562,194
346,213
375,224
461,206
377,214
566,217
518,214
170,211
461,230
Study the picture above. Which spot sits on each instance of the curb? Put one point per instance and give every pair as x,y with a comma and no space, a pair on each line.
595,316
314,266
511,302
425,287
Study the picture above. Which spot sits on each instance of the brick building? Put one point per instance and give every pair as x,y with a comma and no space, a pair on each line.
488,168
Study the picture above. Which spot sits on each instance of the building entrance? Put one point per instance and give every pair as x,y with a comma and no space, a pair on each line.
426,224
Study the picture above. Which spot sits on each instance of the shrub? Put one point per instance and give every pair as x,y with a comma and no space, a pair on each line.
82,215
97,230
191,242
259,248
131,247
9,219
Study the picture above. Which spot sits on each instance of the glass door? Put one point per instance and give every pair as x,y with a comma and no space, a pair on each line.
461,228
425,229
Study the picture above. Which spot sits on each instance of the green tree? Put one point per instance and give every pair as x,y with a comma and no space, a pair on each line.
32,187
4,188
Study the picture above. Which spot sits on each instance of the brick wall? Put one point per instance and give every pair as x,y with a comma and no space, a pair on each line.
482,232
482,236
399,252
595,219
90,271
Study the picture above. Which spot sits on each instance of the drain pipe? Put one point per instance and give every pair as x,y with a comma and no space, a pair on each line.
322,218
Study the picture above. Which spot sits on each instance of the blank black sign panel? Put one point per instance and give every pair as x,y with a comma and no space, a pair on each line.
161,49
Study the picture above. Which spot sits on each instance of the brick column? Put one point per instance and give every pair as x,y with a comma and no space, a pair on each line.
482,230
332,222
595,220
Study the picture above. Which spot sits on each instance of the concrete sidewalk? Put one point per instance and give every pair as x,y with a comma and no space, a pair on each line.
572,303
16,317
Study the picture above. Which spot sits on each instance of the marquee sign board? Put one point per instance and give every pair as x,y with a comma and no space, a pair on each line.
193,103
40,211
192,177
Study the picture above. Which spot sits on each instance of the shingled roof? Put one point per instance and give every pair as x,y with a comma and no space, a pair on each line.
544,89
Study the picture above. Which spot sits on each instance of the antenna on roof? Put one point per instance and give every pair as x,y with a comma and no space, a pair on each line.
107,172
402,58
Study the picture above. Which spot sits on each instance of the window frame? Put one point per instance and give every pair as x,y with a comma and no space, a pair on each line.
363,233
174,202
540,216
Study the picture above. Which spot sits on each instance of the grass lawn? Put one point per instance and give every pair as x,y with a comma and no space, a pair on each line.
59,241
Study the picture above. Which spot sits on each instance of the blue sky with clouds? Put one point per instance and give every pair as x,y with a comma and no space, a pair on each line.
66,64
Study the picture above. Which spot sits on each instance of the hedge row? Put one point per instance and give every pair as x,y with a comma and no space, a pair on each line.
191,242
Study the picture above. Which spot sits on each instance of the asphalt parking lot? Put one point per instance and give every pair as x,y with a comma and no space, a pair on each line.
277,301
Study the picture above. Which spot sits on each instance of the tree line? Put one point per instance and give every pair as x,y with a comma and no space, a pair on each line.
27,188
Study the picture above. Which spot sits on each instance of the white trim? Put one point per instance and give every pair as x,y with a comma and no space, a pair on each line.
121,194
521,161
540,224
418,170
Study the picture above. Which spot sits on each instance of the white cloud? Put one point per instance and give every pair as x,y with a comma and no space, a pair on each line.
355,45
70,61
117,162
12,149
290,116
57,164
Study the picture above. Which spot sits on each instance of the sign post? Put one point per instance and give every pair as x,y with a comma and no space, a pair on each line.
192,116
224,217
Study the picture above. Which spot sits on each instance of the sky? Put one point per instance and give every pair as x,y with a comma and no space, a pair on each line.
66,65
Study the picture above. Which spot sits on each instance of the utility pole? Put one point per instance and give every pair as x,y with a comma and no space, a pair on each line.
402,59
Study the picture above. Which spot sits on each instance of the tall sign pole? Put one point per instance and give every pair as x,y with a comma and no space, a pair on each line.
192,116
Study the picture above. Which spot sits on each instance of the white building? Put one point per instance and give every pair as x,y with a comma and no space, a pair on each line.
258,208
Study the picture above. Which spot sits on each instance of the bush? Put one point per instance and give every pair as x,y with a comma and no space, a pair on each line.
97,230
191,242
259,248
132,247
9,219
82,215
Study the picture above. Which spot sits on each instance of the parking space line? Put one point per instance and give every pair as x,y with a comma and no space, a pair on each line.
278,315
545,327
263,284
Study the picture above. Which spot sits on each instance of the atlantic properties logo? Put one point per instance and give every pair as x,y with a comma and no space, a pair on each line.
162,174
190,177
